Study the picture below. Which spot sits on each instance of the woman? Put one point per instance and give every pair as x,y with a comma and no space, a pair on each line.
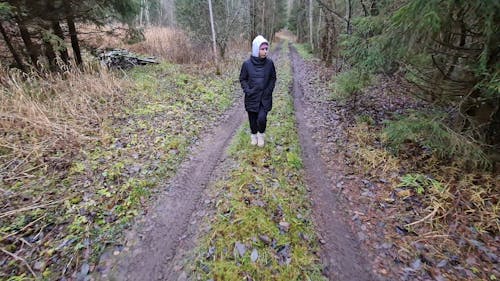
257,78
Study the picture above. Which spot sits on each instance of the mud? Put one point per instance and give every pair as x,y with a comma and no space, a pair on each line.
341,254
152,244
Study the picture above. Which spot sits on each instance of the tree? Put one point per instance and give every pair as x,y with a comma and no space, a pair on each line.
5,11
214,41
449,50
452,51
39,24
228,20
231,19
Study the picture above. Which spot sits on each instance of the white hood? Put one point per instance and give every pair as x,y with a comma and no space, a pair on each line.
256,45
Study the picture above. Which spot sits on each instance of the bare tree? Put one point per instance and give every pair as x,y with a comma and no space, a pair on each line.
214,41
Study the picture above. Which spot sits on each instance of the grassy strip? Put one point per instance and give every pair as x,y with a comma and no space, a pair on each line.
82,205
304,51
263,229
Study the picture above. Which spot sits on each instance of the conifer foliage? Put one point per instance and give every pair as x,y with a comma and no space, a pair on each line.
37,30
448,50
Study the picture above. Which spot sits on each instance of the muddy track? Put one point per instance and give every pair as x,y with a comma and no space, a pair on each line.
152,243
340,250
160,241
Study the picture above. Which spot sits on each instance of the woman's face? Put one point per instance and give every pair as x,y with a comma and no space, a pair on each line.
263,50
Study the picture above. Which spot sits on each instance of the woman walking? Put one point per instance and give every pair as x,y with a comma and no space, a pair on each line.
257,78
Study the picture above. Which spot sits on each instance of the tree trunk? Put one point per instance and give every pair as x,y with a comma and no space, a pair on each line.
74,36
141,13
262,19
374,8
348,15
213,35
273,23
328,39
63,52
30,47
50,54
253,16
365,10
13,51
311,24
318,30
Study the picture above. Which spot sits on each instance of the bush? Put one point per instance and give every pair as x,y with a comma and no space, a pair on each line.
429,131
349,83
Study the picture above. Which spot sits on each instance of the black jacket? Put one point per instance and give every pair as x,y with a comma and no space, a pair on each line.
257,78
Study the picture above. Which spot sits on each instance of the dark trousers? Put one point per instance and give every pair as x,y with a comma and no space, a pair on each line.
257,121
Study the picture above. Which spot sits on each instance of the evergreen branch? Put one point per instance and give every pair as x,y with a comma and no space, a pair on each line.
340,17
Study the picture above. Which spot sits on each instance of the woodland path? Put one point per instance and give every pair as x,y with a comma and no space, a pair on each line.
158,244
341,254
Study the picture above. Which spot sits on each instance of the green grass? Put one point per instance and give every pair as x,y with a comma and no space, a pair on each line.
264,189
305,51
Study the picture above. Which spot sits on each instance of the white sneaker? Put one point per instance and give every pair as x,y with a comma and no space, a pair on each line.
253,139
260,139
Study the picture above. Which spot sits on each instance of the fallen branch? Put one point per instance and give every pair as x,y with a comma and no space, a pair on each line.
423,219
22,229
13,212
19,259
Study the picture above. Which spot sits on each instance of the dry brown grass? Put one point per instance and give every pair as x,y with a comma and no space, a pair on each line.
40,115
171,44
455,213
102,37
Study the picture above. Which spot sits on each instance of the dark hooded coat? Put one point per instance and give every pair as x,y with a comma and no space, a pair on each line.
258,78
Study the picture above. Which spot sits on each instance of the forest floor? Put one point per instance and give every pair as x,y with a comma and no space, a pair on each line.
169,235
193,200
358,231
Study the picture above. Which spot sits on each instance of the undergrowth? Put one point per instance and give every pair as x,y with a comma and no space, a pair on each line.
430,132
434,199
81,153
262,229
349,83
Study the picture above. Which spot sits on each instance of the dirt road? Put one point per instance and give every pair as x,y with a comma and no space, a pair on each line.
154,247
341,254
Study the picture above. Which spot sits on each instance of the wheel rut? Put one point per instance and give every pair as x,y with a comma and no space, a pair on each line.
340,250
152,243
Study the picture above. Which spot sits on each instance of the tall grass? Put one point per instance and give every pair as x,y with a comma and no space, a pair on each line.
40,114
173,45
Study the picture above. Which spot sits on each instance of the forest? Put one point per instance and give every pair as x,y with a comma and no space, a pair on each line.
402,100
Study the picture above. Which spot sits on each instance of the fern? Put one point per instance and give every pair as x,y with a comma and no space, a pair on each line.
431,132
420,183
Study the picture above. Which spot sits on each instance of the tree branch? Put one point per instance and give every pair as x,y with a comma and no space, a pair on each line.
331,10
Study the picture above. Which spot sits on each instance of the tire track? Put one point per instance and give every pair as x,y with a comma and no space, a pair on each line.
340,251
159,242
152,243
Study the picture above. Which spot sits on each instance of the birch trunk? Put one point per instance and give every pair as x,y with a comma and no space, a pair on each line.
214,42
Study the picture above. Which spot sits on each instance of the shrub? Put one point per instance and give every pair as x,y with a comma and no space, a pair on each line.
349,83
429,131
